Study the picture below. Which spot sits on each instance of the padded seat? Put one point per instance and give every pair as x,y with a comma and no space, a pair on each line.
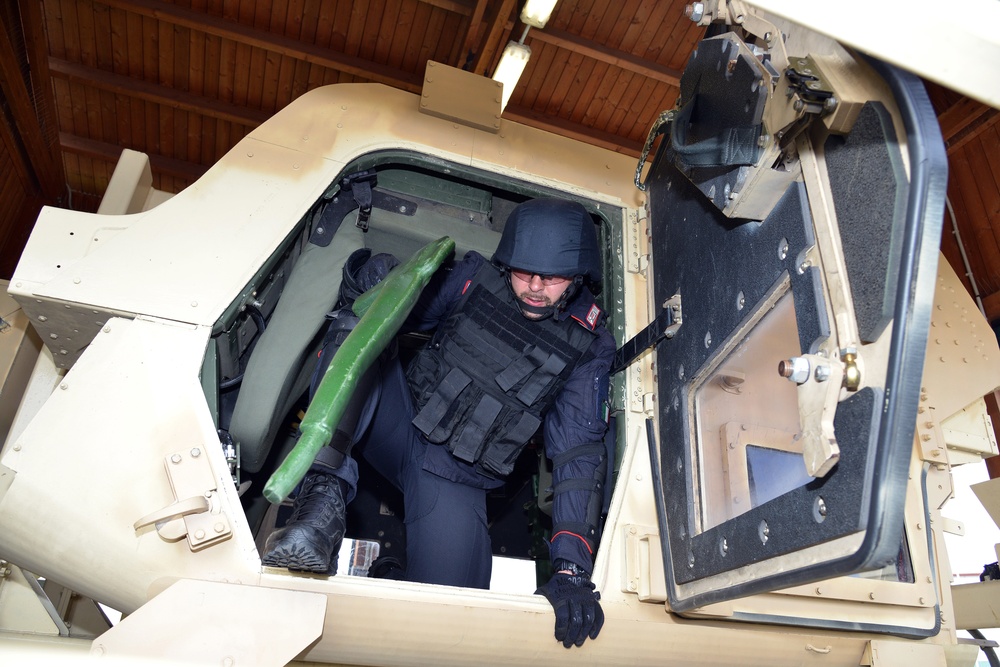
283,360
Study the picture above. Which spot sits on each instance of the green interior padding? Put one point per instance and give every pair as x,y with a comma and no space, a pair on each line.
279,368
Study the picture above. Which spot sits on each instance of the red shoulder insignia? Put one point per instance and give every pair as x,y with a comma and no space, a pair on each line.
592,318
593,315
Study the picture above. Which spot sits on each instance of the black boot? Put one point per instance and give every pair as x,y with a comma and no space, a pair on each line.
311,539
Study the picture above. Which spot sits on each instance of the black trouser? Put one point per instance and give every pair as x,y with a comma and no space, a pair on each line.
447,539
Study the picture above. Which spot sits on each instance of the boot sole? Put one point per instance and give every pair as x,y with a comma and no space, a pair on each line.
296,559
299,548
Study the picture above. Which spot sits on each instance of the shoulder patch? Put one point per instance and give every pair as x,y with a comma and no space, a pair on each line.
593,315
592,319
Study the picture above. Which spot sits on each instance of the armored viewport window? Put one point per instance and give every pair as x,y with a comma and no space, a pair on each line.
747,424
747,421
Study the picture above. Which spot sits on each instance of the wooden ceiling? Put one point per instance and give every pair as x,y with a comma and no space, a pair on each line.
184,80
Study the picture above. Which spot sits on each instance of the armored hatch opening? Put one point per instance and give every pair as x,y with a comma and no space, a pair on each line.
786,401
258,400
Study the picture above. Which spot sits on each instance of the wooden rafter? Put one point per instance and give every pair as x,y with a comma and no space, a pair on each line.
599,52
242,34
41,167
572,130
127,86
41,82
490,45
100,150
475,26
965,120
456,6
151,92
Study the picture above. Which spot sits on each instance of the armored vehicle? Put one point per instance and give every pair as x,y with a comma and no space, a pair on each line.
798,372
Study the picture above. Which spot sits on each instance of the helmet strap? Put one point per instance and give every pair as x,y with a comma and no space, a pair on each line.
545,311
568,293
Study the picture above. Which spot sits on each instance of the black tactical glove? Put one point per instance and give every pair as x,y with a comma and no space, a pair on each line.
578,612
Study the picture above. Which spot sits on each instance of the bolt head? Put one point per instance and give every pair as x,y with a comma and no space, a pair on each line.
695,11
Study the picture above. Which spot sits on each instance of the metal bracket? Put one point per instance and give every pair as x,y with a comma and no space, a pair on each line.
819,382
195,513
635,225
644,572
354,191
664,326
811,95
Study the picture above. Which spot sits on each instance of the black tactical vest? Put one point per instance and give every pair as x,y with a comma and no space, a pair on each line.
489,375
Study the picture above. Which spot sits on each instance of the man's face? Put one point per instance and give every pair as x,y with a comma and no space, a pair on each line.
536,290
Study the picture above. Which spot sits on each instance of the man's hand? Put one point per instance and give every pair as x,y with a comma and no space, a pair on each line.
578,612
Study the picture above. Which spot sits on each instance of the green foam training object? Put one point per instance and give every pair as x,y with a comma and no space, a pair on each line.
382,310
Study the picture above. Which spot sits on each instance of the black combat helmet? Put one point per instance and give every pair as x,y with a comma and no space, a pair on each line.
550,237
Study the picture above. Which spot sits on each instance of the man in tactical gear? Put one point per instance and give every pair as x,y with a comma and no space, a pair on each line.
518,343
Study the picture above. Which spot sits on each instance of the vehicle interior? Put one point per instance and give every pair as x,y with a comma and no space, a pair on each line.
264,349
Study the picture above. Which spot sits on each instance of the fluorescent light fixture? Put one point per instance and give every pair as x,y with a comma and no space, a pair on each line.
512,63
537,12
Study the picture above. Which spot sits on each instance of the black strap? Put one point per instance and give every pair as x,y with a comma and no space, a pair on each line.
655,331
363,196
577,484
732,146
590,449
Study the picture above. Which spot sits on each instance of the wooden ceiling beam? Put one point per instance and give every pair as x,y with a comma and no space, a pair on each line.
124,85
456,6
573,130
965,120
37,49
604,54
100,150
987,120
472,33
498,23
211,25
151,92
959,116
31,148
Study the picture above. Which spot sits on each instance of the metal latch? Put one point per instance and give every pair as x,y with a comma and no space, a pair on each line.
811,95
665,325
195,512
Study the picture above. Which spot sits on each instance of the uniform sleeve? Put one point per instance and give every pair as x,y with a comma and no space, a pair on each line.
442,293
575,430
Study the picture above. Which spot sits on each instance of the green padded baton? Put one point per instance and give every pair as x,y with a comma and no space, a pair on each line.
382,310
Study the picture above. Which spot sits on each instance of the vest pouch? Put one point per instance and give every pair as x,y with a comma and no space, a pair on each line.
499,458
541,379
437,418
471,437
